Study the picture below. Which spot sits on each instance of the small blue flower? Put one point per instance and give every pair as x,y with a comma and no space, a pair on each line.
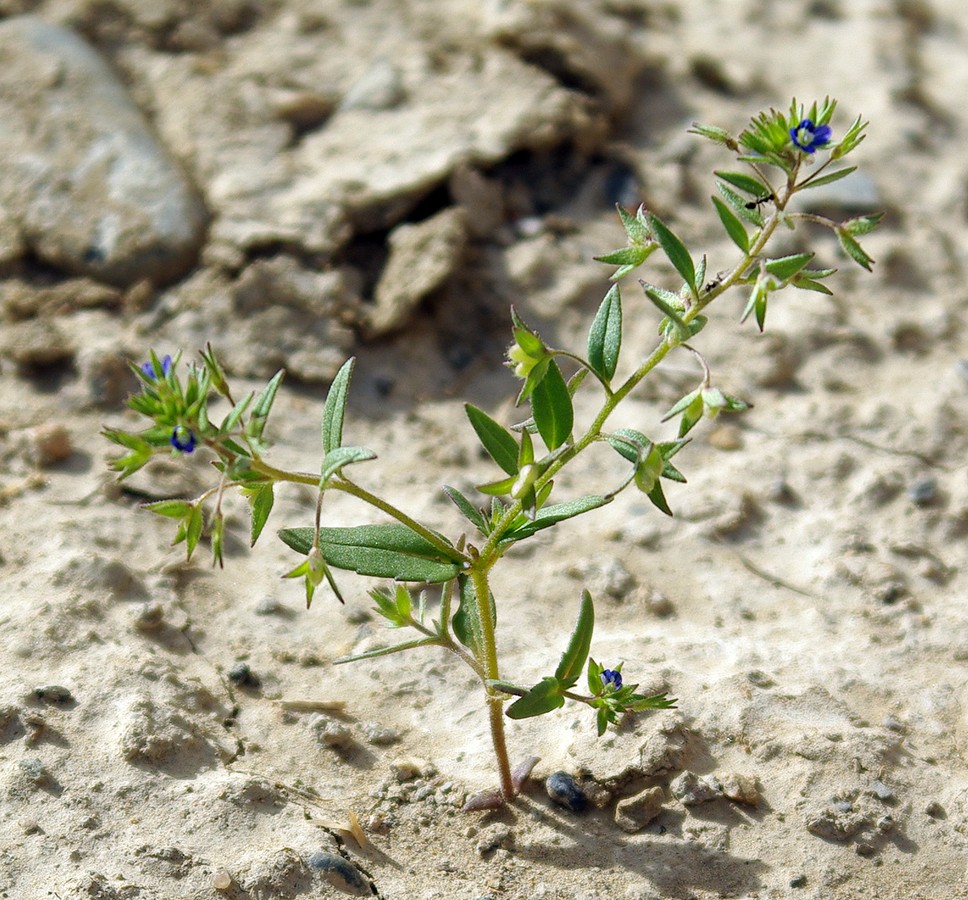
183,439
809,137
149,368
612,678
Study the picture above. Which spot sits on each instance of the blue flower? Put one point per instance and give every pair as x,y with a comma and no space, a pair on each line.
809,137
183,438
149,368
612,678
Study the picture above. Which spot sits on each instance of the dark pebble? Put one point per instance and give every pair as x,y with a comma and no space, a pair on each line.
564,790
243,676
342,875
798,882
923,491
53,693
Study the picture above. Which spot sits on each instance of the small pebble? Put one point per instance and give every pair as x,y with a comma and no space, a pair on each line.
691,789
35,770
405,769
494,837
380,735
881,791
149,618
935,810
331,733
242,675
798,882
53,693
342,875
564,791
50,443
221,880
923,492
634,813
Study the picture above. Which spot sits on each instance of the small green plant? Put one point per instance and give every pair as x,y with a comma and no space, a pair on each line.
781,156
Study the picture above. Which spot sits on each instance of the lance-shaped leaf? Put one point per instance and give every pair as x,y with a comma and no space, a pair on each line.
829,178
261,499
862,224
787,266
657,496
544,697
496,439
383,551
853,249
232,419
386,651
679,329
551,406
552,515
734,228
471,512
605,335
673,248
752,213
335,408
172,509
714,133
257,421
573,659
746,183
636,227
338,457
467,619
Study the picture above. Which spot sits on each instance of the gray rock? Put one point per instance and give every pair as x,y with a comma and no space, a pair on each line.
494,837
422,258
88,185
634,813
340,873
691,789
36,343
379,87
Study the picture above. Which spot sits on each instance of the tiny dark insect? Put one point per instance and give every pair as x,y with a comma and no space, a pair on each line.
754,204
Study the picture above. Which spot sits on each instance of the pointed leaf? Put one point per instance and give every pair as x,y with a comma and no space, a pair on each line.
171,509
605,336
746,183
552,408
338,457
862,224
573,660
829,178
544,697
853,249
675,250
467,621
734,228
787,266
335,407
658,499
751,214
635,226
260,414
552,515
193,528
496,439
261,501
471,512
627,256
386,651
232,419
383,551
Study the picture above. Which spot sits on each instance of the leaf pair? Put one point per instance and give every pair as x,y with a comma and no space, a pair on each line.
547,694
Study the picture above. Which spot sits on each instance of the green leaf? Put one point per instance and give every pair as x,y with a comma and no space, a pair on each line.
471,512
628,443
171,509
853,249
862,224
338,457
382,551
257,421
496,439
605,336
787,266
752,214
466,621
660,300
386,651
573,660
746,183
552,409
734,228
627,256
714,133
808,284
552,515
335,407
232,419
673,248
658,499
193,528
829,178
261,500
635,225
544,697
498,488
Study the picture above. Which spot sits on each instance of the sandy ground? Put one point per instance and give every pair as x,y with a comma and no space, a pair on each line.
806,604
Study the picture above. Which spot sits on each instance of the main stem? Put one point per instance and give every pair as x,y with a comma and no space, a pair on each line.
495,705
